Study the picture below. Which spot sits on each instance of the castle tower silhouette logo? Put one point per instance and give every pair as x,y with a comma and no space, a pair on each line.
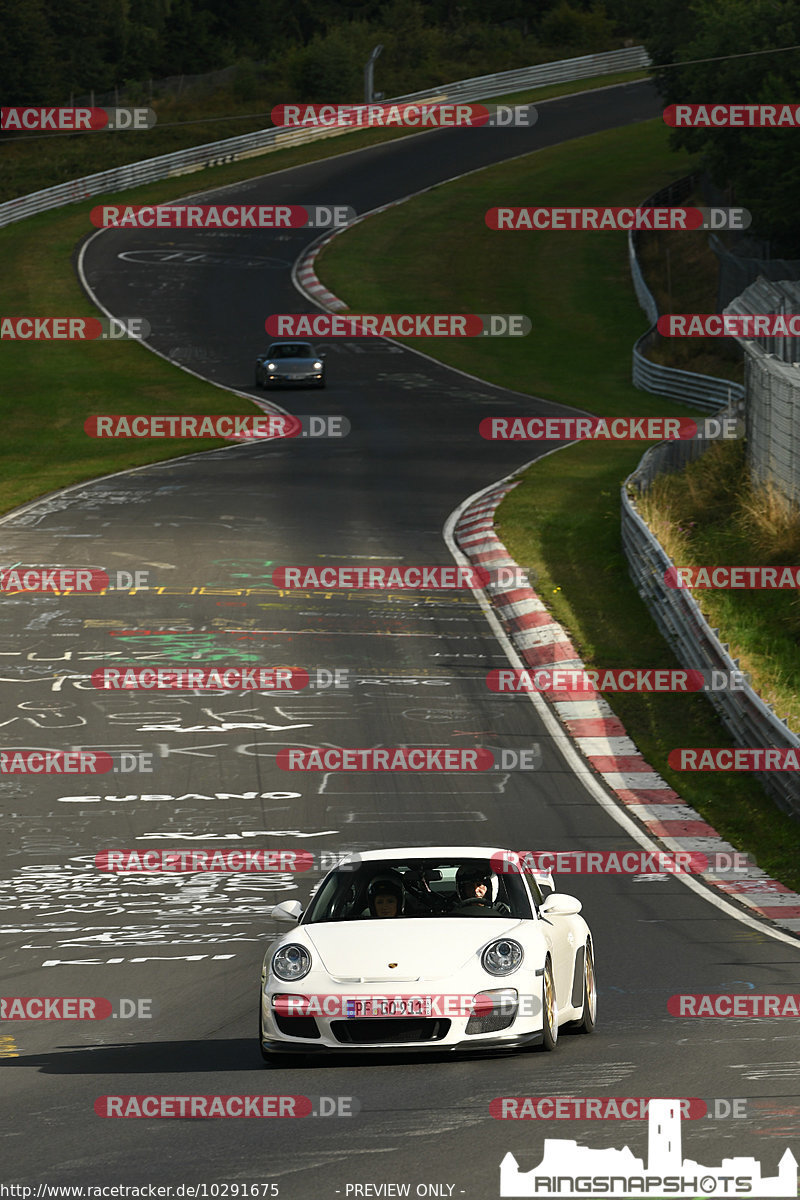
568,1169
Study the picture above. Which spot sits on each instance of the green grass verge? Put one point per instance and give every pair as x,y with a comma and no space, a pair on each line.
50,388
711,513
563,519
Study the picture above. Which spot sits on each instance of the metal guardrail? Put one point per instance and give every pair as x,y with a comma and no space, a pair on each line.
748,719
264,141
687,387
701,391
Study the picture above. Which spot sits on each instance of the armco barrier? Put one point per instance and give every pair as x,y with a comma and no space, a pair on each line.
745,715
748,719
688,387
263,141
701,391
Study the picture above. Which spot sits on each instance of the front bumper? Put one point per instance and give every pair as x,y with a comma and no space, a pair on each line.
316,377
515,1023
517,1042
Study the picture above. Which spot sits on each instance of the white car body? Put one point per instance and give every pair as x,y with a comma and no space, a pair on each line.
428,959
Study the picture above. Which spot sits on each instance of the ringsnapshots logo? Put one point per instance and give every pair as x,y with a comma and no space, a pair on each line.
414,115
73,329
75,120
644,218
394,325
222,216
570,1170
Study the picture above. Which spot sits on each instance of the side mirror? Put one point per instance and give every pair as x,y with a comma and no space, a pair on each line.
287,910
321,353
559,905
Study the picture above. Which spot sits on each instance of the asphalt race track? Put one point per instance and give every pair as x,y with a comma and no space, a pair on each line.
209,529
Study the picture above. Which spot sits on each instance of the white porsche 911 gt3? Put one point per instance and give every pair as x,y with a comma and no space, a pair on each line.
431,948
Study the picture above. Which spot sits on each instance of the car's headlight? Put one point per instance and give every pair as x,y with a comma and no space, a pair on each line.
291,962
270,366
502,957
317,366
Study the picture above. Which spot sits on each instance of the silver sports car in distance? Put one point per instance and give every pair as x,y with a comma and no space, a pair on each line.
290,364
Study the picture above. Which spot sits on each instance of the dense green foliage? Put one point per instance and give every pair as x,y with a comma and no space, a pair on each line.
315,49
762,166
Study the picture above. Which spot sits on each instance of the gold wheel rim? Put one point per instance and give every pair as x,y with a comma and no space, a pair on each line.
589,983
549,1000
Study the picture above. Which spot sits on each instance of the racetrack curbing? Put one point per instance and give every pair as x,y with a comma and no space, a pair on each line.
594,729
599,735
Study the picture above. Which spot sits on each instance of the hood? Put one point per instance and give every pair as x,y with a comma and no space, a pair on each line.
294,366
360,951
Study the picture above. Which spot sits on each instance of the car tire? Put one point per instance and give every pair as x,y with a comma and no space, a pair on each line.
587,1021
549,1009
258,382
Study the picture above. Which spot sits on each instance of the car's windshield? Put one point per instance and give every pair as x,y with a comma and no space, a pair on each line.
291,350
428,887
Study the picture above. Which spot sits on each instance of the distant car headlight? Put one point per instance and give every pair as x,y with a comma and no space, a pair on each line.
317,366
502,957
270,366
291,962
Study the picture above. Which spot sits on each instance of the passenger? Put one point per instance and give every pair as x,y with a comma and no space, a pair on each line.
386,898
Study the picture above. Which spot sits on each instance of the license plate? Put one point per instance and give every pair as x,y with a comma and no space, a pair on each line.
378,1006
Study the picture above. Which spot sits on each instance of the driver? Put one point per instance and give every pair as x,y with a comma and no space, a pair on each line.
474,891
